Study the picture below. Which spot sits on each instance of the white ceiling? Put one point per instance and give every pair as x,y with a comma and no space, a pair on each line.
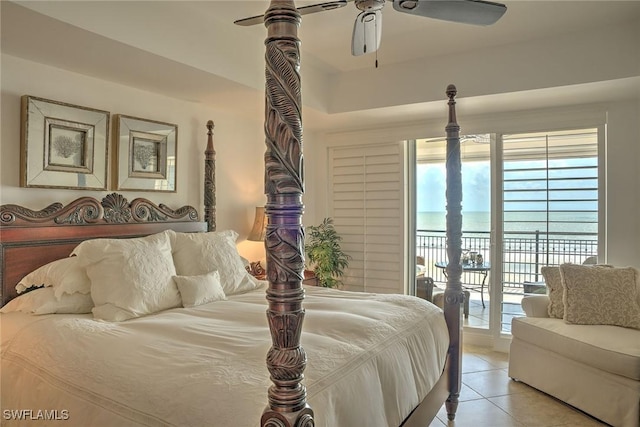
147,44
327,35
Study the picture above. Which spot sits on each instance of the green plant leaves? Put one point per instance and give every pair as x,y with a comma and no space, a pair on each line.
325,254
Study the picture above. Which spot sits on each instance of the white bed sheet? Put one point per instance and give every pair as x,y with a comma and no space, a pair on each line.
371,360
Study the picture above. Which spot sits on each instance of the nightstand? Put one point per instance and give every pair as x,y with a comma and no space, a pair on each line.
257,271
310,278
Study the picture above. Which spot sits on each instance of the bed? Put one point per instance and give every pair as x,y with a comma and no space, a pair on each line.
373,358
343,359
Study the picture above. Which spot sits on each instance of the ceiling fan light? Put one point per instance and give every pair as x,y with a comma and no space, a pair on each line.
367,32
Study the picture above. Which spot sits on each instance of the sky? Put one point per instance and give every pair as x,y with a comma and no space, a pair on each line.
476,187
566,179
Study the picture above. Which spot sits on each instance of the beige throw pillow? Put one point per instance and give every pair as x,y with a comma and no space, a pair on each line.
195,254
600,296
198,290
553,280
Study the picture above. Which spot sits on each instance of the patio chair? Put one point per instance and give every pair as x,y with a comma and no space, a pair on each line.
426,289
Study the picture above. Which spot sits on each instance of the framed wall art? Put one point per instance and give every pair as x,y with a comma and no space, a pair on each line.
63,145
146,155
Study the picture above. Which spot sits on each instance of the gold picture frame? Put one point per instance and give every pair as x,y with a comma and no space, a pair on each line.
146,155
63,145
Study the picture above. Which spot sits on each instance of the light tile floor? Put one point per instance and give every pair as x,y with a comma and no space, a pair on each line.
479,315
489,398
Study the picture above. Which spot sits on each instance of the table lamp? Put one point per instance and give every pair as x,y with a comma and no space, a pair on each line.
257,234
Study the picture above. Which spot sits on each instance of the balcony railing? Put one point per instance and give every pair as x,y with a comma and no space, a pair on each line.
524,253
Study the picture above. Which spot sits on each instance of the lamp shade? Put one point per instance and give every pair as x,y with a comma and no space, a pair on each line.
259,226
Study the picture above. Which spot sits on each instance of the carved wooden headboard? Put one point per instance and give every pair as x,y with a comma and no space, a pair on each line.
30,239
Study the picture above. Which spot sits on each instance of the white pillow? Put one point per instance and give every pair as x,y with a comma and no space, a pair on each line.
195,254
44,301
65,275
197,290
130,277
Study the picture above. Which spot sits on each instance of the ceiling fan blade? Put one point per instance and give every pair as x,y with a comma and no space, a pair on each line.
367,31
304,10
475,12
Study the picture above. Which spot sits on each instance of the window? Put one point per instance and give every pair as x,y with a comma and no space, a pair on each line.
544,207
549,207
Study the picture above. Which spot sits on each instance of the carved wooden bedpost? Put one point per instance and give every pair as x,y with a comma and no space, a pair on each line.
454,295
284,242
210,180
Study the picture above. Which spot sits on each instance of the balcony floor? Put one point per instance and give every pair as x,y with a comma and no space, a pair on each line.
479,316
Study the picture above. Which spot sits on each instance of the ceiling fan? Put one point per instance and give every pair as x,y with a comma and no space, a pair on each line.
367,29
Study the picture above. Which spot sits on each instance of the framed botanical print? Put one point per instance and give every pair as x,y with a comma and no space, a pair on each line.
63,145
146,155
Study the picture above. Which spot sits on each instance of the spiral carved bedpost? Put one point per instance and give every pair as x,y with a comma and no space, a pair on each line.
284,242
210,180
454,295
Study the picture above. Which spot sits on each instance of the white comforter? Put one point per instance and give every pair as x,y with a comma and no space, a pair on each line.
371,360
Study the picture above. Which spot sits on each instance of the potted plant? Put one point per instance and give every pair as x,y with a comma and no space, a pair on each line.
325,254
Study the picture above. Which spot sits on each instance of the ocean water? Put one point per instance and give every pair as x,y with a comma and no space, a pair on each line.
525,222
471,221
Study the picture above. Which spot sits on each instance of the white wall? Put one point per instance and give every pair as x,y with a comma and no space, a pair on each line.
593,55
623,183
239,143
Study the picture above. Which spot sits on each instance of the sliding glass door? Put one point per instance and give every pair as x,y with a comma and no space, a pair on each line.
529,200
550,208
476,219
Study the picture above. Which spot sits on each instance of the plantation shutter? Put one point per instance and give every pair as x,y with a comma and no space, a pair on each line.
366,195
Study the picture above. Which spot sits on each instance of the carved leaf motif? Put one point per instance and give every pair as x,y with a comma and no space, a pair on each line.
287,329
285,252
286,365
209,183
283,127
144,212
85,210
14,213
284,184
283,85
116,209
188,211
